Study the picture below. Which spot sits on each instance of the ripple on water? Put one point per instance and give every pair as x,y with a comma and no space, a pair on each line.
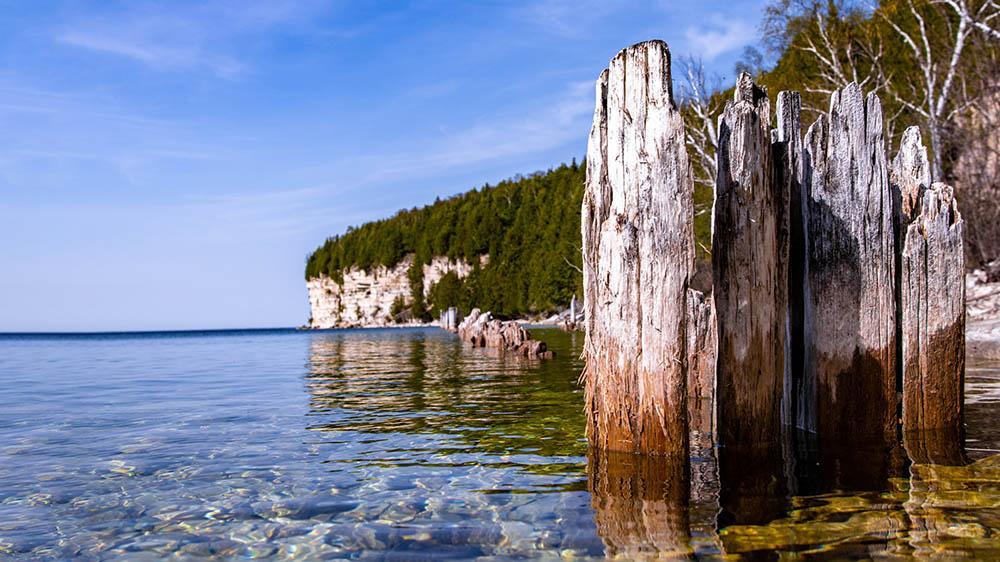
403,445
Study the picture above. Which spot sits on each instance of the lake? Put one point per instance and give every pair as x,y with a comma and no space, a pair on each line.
403,444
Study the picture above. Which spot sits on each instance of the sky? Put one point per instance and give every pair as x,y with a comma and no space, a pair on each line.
170,165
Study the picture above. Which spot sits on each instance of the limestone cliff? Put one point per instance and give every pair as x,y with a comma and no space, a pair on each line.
365,298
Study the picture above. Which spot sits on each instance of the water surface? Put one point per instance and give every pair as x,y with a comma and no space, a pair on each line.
405,445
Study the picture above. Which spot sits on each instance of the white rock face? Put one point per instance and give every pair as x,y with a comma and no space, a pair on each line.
366,297
441,266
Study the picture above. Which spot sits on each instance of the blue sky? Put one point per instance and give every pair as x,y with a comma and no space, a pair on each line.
169,165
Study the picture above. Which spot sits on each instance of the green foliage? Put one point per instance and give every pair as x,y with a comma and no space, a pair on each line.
528,226
398,306
416,277
449,291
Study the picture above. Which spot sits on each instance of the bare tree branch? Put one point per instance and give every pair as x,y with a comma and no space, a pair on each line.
982,18
701,136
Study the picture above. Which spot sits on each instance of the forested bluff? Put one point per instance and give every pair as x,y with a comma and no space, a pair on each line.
514,248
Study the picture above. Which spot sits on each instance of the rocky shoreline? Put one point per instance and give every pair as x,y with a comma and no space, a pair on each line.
982,295
982,300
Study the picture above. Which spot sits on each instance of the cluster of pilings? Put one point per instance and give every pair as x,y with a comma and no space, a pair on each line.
450,319
838,277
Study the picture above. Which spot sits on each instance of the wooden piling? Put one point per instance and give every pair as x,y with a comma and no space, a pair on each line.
798,399
638,251
850,309
702,335
933,314
749,266
910,176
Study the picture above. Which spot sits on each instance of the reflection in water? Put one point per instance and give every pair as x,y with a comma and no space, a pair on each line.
862,499
432,384
920,497
863,465
640,504
754,487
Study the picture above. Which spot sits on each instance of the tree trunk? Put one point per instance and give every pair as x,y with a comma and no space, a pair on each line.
638,251
749,266
933,315
850,308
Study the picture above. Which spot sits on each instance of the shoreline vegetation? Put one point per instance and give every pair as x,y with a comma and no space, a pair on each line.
512,248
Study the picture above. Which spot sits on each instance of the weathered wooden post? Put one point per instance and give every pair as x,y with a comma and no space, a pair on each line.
932,305
798,397
749,266
702,336
931,298
933,315
638,250
850,308
910,176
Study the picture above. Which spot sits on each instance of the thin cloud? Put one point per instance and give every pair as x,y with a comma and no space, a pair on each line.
567,18
204,37
58,135
720,36
562,120
160,57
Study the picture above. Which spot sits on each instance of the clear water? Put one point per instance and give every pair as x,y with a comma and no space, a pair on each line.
403,445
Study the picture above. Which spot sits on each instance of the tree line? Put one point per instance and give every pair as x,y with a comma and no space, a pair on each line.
528,226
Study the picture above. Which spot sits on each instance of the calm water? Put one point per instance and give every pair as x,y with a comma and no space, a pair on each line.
402,445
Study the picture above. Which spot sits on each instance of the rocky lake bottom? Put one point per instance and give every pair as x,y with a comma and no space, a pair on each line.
403,444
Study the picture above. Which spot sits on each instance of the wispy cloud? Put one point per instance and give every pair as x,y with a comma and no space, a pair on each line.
718,36
567,18
62,136
557,121
154,53
166,38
